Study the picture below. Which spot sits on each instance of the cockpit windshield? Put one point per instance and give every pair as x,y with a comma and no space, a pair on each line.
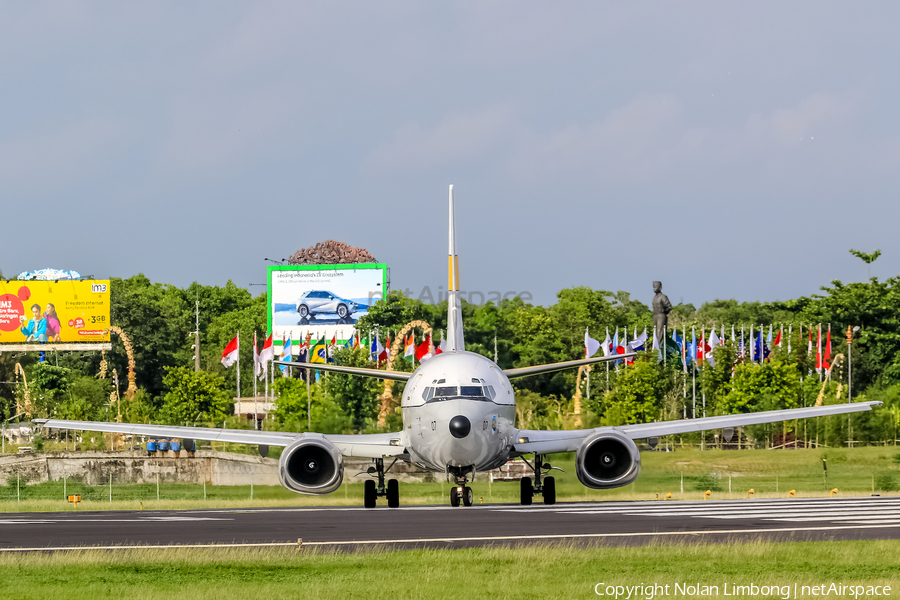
453,392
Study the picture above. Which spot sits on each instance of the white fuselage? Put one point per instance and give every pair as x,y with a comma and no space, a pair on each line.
453,385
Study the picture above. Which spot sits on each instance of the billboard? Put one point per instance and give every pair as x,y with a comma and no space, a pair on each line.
321,299
54,311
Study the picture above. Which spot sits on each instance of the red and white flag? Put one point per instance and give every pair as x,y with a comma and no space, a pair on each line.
425,351
819,349
230,354
266,355
826,360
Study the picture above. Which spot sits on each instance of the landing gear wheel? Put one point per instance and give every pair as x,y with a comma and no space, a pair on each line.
371,494
454,497
468,496
393,493
526,491
549,490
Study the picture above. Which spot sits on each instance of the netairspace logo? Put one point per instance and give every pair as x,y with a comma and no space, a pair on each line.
698,590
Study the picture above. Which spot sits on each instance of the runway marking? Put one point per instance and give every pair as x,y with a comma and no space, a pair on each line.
138,520
700,532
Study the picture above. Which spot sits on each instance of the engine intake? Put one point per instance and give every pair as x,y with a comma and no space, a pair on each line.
607,460
311,466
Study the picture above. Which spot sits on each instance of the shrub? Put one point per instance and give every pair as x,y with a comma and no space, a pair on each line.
708,482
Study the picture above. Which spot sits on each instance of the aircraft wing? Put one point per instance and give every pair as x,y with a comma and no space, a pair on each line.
549,442
376,373
373,445
569,364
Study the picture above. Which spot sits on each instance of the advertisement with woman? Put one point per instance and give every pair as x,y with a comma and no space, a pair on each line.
54,311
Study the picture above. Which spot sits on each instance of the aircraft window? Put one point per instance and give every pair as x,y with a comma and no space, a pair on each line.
444,391
428,394
471,390
475,380
441,381
490,390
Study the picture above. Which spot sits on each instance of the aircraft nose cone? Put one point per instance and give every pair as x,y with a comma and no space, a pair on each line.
459,426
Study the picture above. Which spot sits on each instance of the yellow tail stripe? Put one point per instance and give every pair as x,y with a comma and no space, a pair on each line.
450,273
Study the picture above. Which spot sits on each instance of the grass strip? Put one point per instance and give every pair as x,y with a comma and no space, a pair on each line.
537,571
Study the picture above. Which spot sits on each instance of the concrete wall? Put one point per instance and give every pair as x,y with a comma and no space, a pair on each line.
94,468
216,468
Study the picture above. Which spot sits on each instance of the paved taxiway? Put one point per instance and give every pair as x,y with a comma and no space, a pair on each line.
443,526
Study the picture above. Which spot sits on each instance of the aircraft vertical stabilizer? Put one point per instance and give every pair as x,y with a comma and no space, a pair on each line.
454,310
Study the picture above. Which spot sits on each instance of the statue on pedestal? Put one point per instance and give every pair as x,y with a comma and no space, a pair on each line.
661,309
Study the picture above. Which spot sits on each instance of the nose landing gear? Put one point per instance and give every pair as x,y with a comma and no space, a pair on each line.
547,488
461,492
375,490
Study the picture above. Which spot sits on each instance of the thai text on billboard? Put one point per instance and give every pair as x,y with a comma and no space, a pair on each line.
54,311
319,300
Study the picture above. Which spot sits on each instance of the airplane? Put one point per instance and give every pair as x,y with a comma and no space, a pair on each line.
459,419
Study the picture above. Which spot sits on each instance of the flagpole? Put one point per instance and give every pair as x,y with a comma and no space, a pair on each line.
683,371
255,377
587,333
239,372
607,362
693,377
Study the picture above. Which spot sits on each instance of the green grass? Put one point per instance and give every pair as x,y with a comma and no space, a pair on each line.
770,473
542,571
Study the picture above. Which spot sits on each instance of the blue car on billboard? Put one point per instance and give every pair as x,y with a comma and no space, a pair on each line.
317,302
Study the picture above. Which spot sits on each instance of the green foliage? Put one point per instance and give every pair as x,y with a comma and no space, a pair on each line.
886,481
637,397
866,258
194,396
772,385
357,396
708,482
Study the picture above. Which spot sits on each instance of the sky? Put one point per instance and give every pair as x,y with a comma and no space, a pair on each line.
730,150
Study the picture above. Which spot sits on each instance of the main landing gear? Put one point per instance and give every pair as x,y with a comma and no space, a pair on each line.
460,491
547,488
375,490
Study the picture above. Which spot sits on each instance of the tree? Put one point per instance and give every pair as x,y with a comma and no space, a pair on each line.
357,396
637,397
773,385
194,395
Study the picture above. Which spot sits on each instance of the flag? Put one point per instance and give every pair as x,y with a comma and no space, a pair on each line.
758,346
409,347
679,342
385,354
713,343
230,353
692,348
637,344
742,347
809,344
265,356
356,340
819,350
424,351
826,361
777,341
319,352
606,346
256,361
376,348
303,356
590,345
285,353
334,340
655,346
439,349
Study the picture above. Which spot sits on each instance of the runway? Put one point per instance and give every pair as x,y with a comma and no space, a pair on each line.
620,523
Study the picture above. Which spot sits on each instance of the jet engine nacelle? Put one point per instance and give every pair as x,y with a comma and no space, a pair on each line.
607,460
311,466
